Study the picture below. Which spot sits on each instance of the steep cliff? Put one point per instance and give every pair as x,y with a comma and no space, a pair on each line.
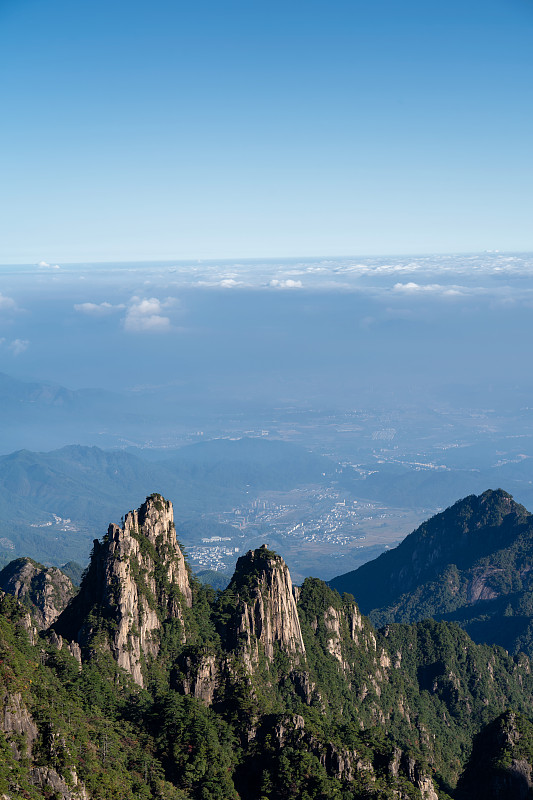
151,685
262,609
24,734
136,586
45,591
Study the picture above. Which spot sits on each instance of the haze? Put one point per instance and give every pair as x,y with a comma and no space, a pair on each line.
307,223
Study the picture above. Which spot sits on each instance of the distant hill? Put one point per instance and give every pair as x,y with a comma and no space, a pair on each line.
54,504
45,415
218,580
250,462
403,486
15,393
472,564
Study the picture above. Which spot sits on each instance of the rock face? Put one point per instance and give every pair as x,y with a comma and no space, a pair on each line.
45,591
266,614
53,785
137,580
16,719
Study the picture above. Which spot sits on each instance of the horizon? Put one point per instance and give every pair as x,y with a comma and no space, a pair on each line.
274,257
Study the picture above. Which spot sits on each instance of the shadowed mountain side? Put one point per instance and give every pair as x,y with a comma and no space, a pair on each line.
472,564
466,532
501,764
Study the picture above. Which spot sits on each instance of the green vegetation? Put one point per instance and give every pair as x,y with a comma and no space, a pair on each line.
230,708
472,564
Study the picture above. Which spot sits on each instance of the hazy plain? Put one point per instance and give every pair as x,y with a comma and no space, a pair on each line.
411,374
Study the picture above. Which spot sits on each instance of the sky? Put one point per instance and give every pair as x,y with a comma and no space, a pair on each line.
245,129
339,332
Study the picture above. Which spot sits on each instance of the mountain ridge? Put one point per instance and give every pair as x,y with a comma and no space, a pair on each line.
472,564
151,685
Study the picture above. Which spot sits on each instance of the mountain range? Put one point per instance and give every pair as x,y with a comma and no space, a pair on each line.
146,683
88,486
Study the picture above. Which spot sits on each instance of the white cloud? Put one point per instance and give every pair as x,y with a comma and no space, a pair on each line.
18,346
288,284
98,309
46,265
7,303
229,283
147,314
425,288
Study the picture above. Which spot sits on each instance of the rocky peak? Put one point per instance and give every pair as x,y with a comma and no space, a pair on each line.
153,523
137,580
265,607
45,591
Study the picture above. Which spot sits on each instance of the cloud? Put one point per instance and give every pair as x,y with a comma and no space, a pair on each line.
147,314
288,284
428,288
17,346
98,309
46,265
7,303
229,283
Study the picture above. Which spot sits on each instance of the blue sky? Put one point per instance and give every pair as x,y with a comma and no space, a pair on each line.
174,130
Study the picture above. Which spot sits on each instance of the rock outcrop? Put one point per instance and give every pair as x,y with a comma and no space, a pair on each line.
265,616
45,591
137,581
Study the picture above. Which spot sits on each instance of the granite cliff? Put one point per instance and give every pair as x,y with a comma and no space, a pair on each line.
45,591
151,685
137,583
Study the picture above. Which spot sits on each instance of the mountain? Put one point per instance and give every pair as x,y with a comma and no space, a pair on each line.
250,462
137,587
51,503
44,591
150,685
501,764
472,564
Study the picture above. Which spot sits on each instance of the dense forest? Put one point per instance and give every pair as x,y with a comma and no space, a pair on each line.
149,684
